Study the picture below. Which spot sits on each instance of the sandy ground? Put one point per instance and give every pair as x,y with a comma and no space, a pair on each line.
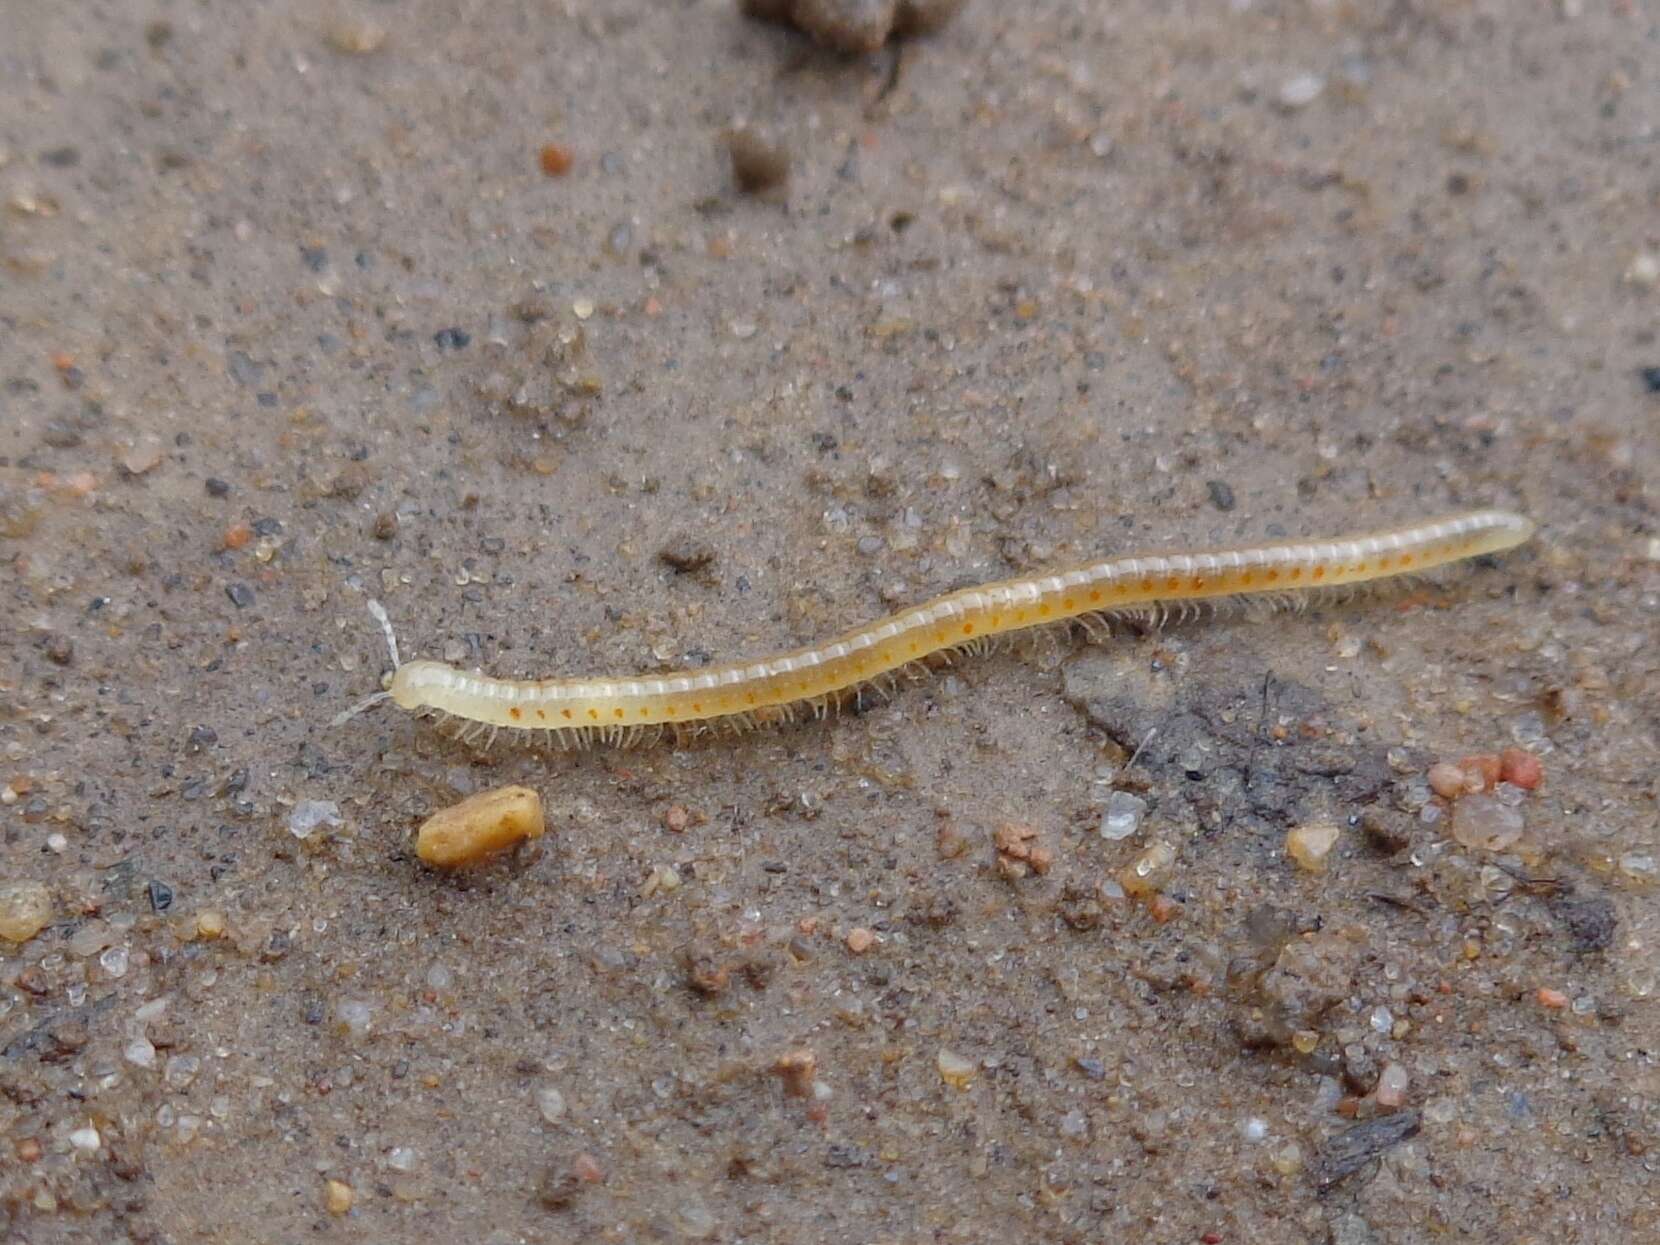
288,321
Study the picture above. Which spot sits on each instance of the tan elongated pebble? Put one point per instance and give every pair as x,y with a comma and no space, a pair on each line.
337,1196
480,826
25,910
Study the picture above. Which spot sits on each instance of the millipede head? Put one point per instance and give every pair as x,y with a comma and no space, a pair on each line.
377,611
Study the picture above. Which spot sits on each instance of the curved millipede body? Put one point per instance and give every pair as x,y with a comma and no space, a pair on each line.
626,709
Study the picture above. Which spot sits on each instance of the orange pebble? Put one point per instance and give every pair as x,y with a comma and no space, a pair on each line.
1163,909
237,535
1520,768
556,160
1553,999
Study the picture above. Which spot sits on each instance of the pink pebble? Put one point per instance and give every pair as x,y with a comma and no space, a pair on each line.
1520,768
1392,1083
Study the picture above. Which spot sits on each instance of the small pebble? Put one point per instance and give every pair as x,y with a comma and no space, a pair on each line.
1644,270
556,160
1163,909
860,940
337,1197
480,826
1149,871
86,1139
954,1069
1122,816
1520,768
551,1104
856,26
1287,1159
240,594
1484,823
452,338
1019,851
1310,845
1301,91
307,815
357,1015
1641,866
759,164
91,938
356,36
1392,1084
141,458
1446,780
140,1053
210,924
1555,1000
25,910
799,1069
217,487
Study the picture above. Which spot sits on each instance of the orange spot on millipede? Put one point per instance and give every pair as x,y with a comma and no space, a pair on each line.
515,713
566,713
968,628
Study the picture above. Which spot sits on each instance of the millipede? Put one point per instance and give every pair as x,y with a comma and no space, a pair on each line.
737,696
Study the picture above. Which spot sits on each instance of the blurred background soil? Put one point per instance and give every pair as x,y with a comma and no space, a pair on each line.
466,307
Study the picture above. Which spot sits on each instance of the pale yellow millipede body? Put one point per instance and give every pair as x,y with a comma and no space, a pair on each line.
627,710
